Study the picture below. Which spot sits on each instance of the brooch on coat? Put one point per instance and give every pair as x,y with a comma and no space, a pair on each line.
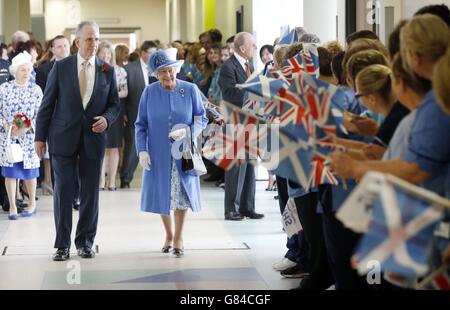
182,92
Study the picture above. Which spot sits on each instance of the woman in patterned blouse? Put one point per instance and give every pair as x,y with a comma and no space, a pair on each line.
115,131
20,96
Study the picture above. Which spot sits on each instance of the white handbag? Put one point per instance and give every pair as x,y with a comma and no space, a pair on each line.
192,160
14,153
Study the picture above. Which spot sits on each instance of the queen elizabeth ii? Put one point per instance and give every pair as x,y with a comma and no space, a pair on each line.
171,112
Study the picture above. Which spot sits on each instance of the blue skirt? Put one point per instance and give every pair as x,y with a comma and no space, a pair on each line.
17,171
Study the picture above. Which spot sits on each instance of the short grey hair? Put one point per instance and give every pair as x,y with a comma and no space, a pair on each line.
241,39
84,24
20,36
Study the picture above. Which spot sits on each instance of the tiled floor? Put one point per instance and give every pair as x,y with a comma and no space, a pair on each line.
218,254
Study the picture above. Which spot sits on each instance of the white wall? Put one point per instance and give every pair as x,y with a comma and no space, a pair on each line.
1,20
412,6
194,19
269,18
151,16
54,24
226,16
320,18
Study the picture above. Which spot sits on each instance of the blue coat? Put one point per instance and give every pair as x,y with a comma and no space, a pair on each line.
160,111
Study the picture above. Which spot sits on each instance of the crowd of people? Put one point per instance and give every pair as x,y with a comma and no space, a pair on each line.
397,115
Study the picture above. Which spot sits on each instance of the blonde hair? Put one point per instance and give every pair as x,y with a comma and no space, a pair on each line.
426,35
283,53
441,81
107,45
121,50
361,60
334,47
376,79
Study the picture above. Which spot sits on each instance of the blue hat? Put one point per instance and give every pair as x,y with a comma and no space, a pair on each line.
163,59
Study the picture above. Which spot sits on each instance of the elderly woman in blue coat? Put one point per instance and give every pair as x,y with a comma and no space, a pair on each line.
171,113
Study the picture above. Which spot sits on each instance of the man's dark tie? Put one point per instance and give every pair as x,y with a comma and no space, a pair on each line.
247,69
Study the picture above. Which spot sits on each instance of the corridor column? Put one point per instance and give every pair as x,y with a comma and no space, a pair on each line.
15,15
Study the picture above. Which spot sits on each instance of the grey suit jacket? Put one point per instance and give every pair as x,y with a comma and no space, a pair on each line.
136,85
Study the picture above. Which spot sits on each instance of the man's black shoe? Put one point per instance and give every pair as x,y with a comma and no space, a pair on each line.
212,178
85,252
124,184
253,215
233,216
61,255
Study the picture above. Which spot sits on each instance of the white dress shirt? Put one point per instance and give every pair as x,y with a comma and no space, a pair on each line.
241,60
144,67
90,77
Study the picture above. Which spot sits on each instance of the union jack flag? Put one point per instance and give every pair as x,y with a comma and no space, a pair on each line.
400,230
243,139
306,61
321,173
438,280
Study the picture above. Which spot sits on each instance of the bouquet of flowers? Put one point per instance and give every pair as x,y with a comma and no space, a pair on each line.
22,121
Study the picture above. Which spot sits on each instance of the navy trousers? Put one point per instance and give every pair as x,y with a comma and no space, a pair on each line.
66,170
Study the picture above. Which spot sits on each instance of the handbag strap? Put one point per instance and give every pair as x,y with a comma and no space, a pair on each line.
8,136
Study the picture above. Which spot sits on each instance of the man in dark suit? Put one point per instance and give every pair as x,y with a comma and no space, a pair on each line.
137,79
239,181
60,49
80,102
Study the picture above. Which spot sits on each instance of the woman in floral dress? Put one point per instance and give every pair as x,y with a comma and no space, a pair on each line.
20,96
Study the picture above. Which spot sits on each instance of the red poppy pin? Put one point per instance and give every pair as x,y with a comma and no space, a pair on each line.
104,67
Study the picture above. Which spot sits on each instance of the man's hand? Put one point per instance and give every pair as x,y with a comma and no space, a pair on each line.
100,125
446,255
40,148
125,119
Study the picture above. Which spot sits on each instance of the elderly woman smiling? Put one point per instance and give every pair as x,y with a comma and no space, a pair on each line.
169,111
19,97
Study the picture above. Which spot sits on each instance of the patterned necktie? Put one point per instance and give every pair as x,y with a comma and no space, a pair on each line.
83,79
247,69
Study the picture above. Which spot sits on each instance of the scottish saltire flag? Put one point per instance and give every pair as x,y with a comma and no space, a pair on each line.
263,88
399,233
307,60
288,36
438,280
292,159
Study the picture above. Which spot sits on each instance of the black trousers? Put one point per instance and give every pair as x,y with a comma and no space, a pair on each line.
130,157
340,244
65,171
319,272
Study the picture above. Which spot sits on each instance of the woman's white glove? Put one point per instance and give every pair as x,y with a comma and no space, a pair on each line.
179,134
144,160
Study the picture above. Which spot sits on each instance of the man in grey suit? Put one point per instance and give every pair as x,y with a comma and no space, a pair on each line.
239,181
137,79
80,102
